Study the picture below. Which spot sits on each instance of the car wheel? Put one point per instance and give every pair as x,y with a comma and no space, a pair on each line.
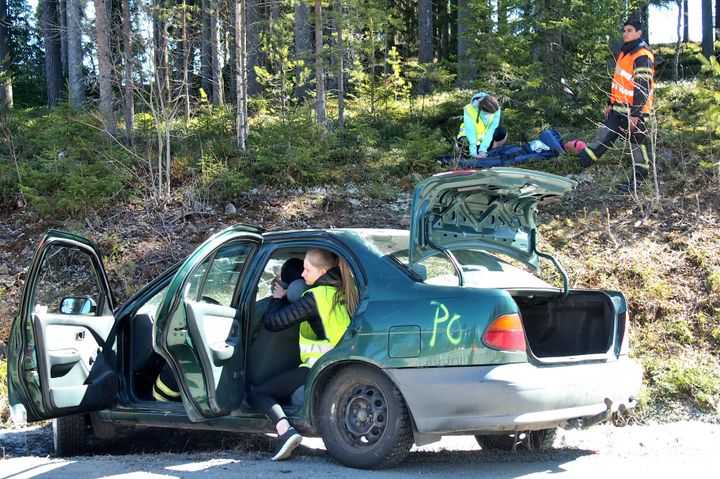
69,435
525,441
364,421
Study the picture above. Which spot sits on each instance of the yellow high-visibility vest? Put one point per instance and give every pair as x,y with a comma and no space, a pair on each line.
335,322
480,126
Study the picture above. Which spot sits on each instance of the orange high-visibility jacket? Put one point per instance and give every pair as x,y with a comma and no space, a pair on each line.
623,84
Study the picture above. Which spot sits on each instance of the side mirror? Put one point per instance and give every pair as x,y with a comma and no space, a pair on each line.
75,305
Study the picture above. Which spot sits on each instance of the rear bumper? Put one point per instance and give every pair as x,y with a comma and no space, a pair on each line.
476,399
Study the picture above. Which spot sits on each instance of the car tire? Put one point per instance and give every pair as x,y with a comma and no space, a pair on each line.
525,441
363,419
69,435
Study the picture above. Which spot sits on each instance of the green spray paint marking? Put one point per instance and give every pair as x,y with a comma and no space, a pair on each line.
441,318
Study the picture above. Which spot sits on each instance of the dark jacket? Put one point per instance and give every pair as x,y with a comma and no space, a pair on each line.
281,314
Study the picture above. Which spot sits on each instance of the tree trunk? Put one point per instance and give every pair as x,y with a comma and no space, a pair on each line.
129,82
443,30
162,66
6,93
717,20
217,83
303,46
320,106
105,65
53,62
425,36
341,67
466,68
453,25
676,59
76,90
253,22
686,26
185,53
206,51
241,122
62,14
708,49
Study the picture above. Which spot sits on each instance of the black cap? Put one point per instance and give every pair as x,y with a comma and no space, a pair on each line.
635,22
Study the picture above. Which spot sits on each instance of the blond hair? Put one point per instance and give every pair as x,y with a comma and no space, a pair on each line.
346,293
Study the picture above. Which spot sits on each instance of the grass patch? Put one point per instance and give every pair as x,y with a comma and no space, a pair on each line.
4,405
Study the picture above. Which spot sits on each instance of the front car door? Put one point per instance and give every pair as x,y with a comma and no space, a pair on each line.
62,345
199,329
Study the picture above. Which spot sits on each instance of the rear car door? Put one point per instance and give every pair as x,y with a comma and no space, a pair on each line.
62,345
199,329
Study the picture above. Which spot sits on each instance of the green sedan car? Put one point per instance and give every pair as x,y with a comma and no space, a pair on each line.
453,334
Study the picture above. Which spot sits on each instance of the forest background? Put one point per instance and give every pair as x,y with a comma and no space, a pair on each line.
184,109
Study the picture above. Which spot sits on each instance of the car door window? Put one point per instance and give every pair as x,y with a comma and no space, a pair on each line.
68,284
215,280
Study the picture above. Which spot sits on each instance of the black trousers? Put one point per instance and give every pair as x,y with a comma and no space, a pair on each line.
265,397
499,134
616,126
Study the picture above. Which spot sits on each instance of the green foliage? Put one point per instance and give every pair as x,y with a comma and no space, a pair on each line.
416,150
27,60
674,379
282,71
292,151
65,167
525,59
4,405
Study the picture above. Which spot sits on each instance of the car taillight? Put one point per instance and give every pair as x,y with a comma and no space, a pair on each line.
506,333
625,345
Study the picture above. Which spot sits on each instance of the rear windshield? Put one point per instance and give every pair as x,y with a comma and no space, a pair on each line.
480,269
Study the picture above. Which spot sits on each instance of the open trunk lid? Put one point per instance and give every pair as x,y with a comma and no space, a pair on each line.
493,209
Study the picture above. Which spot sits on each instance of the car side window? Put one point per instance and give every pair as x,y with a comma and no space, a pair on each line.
152,305
215,280
68,283
437,269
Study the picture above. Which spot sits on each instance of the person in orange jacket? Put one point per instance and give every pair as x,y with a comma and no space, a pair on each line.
631,101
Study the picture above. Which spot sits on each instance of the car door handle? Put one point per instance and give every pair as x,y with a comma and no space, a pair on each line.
64,356
222,352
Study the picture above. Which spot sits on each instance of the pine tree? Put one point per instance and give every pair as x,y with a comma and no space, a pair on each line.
6,94
320,106
76,90
53,62
708,48
129,93
425,36
105,65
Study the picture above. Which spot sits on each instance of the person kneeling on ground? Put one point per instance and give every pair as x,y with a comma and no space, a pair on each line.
480,127
323,313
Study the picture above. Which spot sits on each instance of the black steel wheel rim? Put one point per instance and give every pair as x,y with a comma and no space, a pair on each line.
364,416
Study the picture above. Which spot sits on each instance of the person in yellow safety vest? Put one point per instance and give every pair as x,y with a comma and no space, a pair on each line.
481,125
323,313
631,101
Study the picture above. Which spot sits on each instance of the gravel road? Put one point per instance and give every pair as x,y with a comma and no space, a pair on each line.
682,449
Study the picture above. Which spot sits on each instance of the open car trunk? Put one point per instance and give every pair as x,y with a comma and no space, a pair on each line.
578,328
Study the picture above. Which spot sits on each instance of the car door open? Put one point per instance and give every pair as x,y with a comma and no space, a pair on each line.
63,341
199,328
